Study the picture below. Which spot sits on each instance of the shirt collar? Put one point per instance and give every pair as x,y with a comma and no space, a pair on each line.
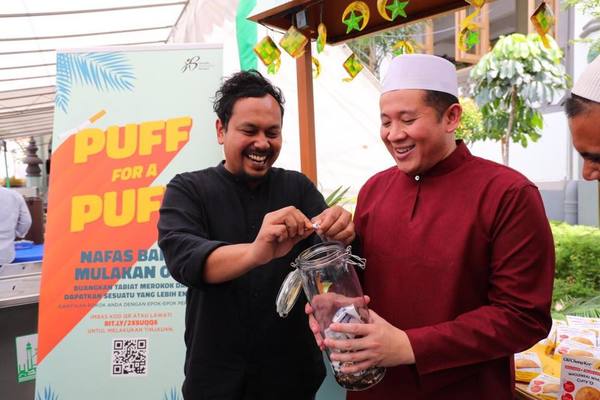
240,180
452,162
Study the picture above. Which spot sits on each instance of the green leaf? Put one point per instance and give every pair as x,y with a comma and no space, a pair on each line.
537,120
336,196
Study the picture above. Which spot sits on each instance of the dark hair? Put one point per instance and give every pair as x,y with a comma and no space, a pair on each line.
439,101
576,105
242,85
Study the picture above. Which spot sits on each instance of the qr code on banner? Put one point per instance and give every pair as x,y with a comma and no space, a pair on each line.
129,357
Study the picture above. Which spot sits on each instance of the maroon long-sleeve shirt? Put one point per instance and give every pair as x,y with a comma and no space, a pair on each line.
462,259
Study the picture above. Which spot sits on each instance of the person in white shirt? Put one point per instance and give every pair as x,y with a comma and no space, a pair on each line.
15,221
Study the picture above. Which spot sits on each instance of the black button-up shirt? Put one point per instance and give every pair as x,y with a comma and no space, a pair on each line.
233,332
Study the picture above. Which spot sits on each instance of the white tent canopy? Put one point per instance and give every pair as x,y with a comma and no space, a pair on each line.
32,30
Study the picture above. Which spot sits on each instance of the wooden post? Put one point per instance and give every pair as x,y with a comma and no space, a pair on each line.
306,115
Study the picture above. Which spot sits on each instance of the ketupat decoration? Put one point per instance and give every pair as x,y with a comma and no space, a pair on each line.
352,66
293,42
396,8
351,20
273,68
270,55
543,20
322,38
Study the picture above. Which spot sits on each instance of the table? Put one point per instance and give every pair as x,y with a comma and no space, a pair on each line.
20,280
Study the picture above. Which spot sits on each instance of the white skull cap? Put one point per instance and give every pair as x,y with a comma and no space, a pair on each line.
588,84
423,71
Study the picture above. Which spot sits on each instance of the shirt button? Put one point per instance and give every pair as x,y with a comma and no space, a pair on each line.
417,177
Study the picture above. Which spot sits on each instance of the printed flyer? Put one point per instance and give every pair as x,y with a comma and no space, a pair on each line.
126,121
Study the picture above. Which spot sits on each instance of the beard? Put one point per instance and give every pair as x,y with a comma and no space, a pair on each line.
252,180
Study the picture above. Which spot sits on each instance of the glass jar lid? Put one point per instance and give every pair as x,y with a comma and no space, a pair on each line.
288,293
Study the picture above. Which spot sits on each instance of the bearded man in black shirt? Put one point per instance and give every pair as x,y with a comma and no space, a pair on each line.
229,234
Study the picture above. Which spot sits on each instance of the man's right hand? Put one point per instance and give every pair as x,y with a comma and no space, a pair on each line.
327,304
281,230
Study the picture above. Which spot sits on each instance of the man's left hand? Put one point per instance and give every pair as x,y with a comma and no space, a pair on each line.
335,223
377,343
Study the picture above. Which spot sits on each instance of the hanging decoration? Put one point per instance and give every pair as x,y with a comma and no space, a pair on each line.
396,8
322,38
316,67
403,47
354,21
468,35
293,42
270,55
543,20
476,3
468,38
352,66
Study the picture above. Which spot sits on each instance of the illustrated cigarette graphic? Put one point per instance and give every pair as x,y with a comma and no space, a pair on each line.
83,125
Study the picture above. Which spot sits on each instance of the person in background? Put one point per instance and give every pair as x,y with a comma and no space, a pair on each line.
229,234
15,221
583,111
460,256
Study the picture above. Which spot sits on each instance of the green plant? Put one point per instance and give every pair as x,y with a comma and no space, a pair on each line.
581,307
577,276
591,7
470,128
336,196
511,82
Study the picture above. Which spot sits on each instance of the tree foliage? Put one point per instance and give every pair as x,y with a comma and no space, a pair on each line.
512,82
577,277
590,7
470,128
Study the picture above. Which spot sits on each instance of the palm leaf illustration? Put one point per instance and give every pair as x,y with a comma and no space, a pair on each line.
63,82
49,394
105,71
173,394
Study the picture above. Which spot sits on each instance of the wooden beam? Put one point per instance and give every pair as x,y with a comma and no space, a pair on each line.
306,115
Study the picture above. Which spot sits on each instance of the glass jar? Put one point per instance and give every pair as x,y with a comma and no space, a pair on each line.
326,273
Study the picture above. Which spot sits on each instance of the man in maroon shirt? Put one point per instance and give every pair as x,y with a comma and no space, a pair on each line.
460,256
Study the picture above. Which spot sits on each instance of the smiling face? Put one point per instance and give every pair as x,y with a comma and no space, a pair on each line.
413,133
252,139
586,140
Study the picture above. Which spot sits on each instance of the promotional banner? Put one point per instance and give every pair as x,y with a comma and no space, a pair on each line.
111,319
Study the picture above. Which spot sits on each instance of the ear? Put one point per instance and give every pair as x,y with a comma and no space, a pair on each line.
220,131
452,117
